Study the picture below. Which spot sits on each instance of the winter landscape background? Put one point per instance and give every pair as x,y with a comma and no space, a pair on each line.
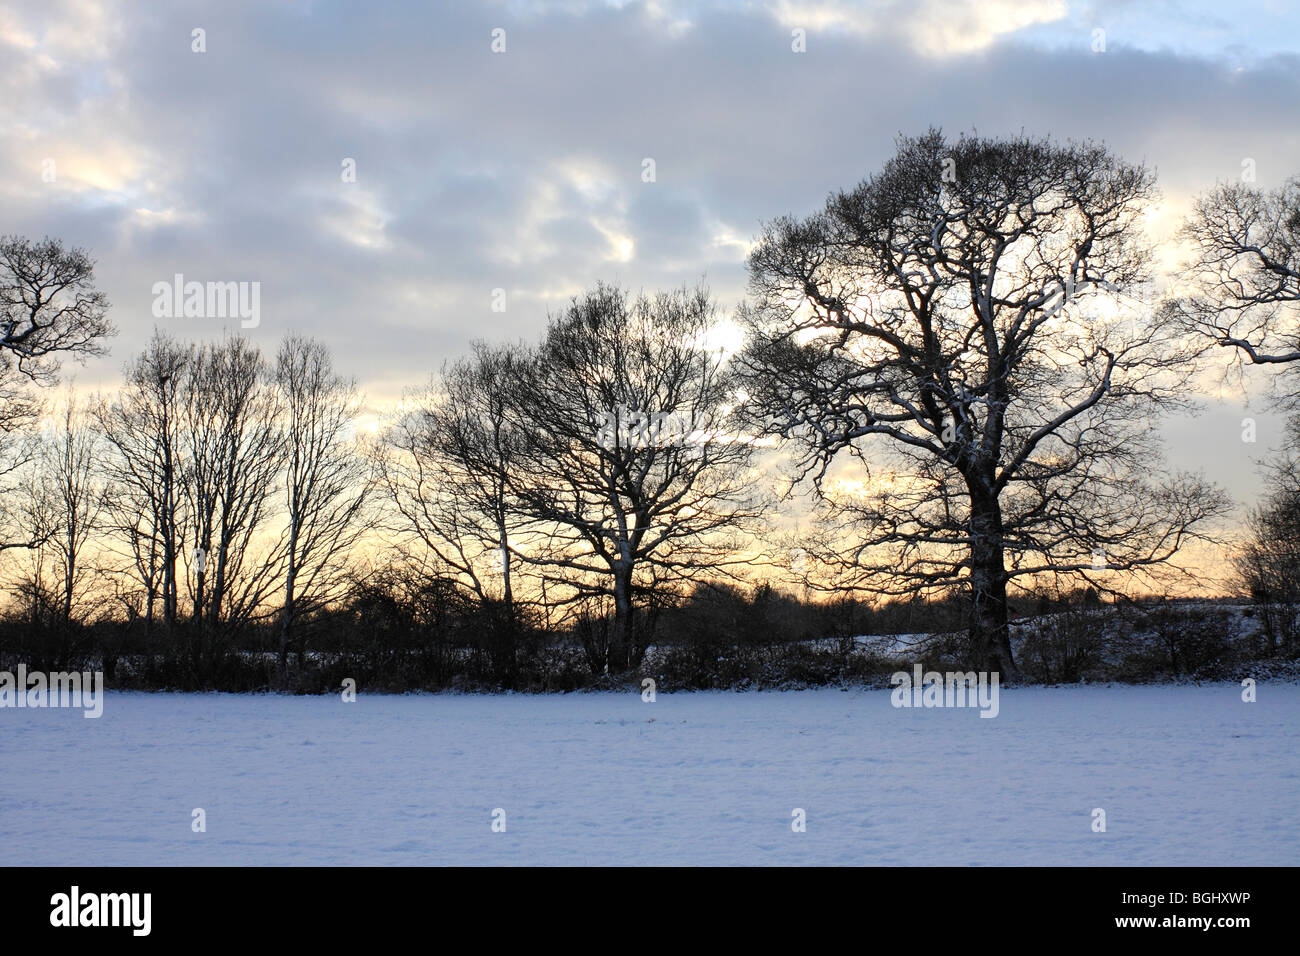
540,433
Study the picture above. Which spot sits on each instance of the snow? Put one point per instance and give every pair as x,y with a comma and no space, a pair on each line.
1186,775
903,646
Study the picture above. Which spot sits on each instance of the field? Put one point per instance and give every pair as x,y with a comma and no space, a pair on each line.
1185,774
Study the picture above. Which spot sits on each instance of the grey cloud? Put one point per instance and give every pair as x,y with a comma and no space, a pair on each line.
467,160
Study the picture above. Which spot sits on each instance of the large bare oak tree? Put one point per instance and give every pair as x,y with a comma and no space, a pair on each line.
952,322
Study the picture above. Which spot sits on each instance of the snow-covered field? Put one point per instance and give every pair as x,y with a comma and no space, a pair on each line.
1186,775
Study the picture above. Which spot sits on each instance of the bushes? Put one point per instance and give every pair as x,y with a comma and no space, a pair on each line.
767,665
402,630
1171,641
1065,647
726,636
1138,643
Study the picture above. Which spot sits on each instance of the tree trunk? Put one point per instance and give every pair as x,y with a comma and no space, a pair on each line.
507,640
282,667
169,581
990,637
198,600
622,637
507,586
286,613
70,576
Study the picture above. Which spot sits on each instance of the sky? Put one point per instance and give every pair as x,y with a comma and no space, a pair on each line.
522,170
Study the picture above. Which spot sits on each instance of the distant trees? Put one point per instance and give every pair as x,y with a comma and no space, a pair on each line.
69,492
933,317
1245,273
58,506
233,480
446,467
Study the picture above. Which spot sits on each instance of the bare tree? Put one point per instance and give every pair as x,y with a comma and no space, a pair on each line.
143,472
326,481
18,450
628,457
1268,561
1245,273
33,580
73,502
234,451
934,317
60,503
49,308
447,471
446,468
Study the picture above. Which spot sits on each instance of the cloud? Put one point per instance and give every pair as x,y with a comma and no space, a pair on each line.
523,170
933,27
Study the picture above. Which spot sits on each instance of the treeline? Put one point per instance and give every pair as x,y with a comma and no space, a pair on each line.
398,628
924,373
222,507
219,522
218,490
